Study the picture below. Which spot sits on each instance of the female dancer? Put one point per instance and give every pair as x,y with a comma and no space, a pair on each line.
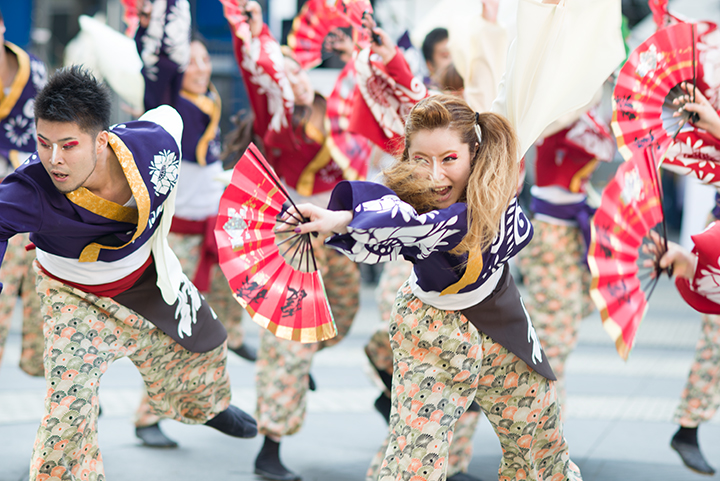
460,250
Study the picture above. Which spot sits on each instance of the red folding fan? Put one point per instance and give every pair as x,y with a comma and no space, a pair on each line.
631,206
316,28
354,11
646,87
349,151
282,290
236,17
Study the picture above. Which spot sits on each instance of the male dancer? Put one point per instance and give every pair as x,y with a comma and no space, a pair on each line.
98,202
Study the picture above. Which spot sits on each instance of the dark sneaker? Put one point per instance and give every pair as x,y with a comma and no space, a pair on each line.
691,456
246,352
269,466
234,422
153,437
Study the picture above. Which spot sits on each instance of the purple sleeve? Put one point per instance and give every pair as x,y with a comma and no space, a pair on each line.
385,228
164,48
18,217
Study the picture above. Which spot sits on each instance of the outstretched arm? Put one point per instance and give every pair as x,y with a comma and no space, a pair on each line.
163,42
262,66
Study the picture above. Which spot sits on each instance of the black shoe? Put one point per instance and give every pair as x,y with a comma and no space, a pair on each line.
246,352
234,422
269,466
462,477
383,405
690,454
153,437
311,383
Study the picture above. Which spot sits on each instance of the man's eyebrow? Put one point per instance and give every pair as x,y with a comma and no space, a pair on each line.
60,140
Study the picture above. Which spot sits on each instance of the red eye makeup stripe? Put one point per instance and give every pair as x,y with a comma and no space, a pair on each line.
452,156
72,143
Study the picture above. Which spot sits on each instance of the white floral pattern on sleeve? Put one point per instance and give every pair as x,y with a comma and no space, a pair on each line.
418,232
277,87
707,283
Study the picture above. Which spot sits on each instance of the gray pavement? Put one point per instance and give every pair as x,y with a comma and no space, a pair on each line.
618,420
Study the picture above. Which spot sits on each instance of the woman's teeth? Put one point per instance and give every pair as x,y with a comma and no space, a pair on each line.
442,190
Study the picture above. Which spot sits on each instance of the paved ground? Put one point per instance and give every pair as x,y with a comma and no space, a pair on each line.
619,414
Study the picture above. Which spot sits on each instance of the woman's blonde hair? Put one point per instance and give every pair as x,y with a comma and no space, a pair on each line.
493,166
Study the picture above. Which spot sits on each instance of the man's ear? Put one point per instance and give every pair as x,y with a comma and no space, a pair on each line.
101,141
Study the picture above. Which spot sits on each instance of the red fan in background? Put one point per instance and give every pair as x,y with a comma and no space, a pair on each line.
631,206
130,16
316,31
350,151
237,17
286,297
646,87
354,11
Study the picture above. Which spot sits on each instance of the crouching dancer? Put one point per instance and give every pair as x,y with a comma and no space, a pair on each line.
98,202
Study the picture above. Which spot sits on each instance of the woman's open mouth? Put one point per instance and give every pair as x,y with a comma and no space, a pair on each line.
442,192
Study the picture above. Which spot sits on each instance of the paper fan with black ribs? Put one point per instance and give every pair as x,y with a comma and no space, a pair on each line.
631,207
646,87
276,280
316,28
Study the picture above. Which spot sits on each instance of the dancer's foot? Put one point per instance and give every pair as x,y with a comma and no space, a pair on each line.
685,443
234,422
311,383
153,437
246,352
269,466
383,406
463,477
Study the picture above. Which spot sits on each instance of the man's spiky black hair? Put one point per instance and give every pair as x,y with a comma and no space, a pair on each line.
73,94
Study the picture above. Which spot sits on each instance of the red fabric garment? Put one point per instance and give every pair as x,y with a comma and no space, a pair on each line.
703,292
208,248
383,98
568,158
111,289
299,153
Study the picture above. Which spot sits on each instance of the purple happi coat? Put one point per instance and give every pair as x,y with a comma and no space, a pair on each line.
385,228
87,240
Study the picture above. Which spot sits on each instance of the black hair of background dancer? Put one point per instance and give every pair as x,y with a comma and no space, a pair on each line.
435,36
73,94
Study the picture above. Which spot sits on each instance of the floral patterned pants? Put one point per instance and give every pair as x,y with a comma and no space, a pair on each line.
220,298
282,366
701,397
441,363
18,280
84,334
558,286
379,352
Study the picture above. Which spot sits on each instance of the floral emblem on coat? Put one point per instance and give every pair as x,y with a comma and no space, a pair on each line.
164,171
18,130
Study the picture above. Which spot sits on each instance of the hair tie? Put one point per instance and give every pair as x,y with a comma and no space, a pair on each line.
478,131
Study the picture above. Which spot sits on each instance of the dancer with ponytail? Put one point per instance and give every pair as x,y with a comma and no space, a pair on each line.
459,330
